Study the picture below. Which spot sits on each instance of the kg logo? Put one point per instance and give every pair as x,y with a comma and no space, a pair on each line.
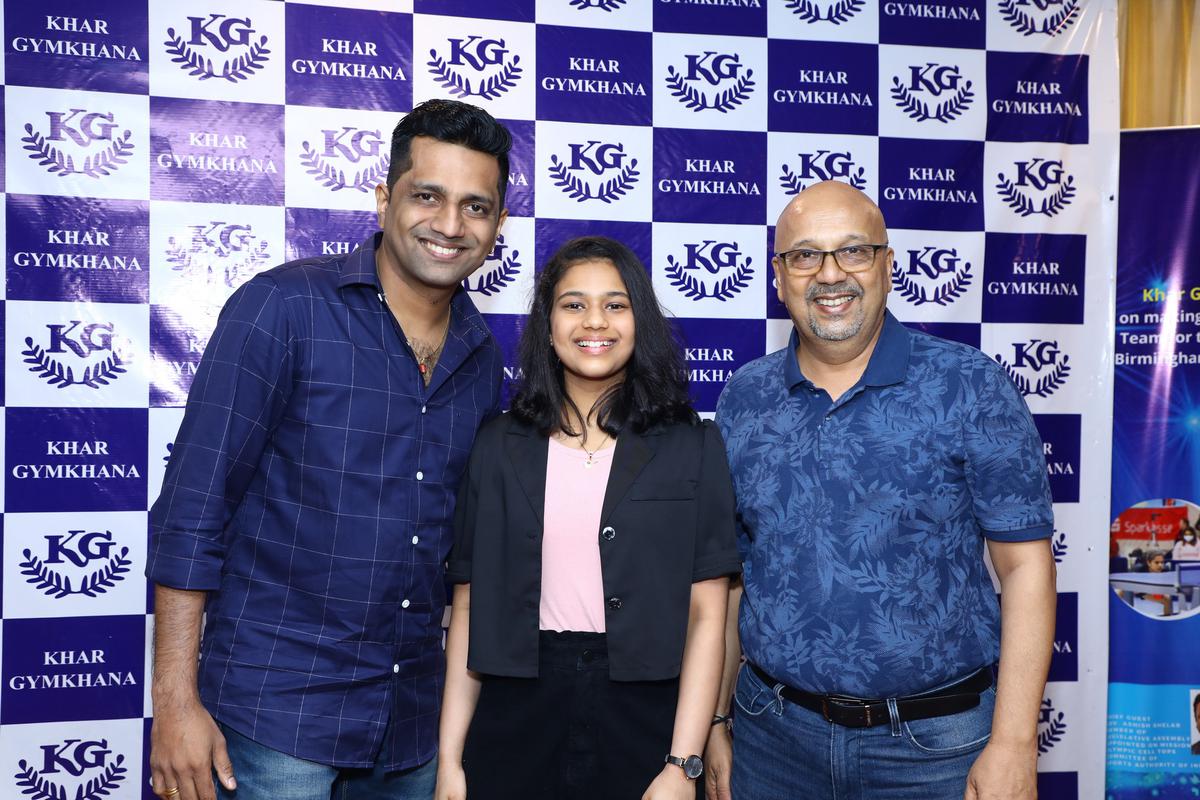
933,91
218,40
1051,726
712,80
837,12
88,765
1039,367
603,5
823,165
1041,187
76,553
710,269
935,275
595,171
348,158
1048,17
218,253
487,60
79,142
93,346
499,269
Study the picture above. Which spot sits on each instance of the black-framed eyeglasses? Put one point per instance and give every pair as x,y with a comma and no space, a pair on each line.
851,258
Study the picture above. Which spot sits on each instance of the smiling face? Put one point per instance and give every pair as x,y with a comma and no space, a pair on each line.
592,326
441,217
833,305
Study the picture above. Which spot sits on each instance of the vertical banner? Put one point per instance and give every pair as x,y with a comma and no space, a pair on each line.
158,154
1154,552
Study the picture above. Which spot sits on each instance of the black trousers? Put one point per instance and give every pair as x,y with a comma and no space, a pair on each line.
571,733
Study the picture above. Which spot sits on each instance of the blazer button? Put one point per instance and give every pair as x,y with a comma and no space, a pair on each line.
608,534
614,603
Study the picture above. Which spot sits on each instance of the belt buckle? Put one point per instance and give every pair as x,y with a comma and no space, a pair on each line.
847,702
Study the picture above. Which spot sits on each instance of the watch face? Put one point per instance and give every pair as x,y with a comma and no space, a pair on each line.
693,767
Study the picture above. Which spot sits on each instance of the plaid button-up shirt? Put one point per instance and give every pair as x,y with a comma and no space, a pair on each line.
311,491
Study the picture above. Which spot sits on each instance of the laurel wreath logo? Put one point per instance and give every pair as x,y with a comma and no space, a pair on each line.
54,373
333,178
1044,386
1058,547
52,583
838,13
578,189
603,5
1053,732
918,109
62,164
488,88
792,184
1024,206
693,289
1052,25
496,279
695,100
197,66
943,295
35,787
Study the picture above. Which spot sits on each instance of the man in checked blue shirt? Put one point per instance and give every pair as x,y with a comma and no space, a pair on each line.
308,502
873,465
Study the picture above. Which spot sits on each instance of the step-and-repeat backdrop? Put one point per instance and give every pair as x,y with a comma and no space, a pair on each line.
157,154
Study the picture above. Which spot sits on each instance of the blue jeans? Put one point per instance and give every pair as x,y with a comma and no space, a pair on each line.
266,774
781,750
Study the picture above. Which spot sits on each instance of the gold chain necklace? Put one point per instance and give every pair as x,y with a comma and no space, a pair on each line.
591,454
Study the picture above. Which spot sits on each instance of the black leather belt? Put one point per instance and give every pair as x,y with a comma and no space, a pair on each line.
856,712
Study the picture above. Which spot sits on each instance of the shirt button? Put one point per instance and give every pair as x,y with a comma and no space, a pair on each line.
396,668
608,534
421,475
614,603
416,539
405,604
422,409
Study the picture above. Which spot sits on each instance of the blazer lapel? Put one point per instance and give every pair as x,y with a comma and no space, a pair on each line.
631,456
527,452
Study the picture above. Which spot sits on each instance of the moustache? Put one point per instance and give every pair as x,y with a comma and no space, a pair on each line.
825,290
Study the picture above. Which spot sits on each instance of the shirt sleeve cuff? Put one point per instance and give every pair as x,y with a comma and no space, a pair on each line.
716,567
458,572
1023,534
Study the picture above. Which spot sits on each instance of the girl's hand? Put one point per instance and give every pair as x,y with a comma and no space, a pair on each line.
451,782
671,785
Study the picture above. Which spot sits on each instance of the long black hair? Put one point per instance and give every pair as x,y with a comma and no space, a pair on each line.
654,390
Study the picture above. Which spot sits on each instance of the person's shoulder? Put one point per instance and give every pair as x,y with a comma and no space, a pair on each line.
493,431
751,375
957,358
302,276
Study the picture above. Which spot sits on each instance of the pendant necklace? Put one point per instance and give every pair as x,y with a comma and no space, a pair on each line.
424,362
591,454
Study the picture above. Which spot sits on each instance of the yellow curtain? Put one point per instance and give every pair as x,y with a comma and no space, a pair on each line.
1160,62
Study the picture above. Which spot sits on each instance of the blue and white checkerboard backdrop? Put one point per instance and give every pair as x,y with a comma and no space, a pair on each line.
158,153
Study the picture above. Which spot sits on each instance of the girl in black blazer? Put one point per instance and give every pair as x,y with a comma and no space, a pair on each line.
597,676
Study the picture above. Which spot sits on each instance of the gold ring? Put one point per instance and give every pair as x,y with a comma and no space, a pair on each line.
174,790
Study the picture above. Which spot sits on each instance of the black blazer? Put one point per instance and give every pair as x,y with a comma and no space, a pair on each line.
667,521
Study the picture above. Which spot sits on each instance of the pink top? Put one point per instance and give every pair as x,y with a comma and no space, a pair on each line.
572,588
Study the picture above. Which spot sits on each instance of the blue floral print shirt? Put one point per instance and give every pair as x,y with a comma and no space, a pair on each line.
862,521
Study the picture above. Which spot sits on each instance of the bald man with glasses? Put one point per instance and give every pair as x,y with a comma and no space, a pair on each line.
873,466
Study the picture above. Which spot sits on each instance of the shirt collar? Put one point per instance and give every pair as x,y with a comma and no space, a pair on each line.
888,363
358,269
359,266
